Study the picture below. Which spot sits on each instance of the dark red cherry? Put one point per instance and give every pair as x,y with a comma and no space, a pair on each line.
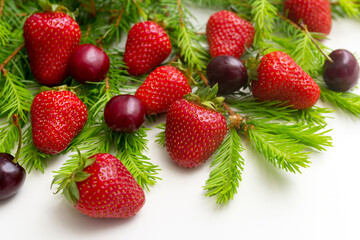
228,72
12,176
124,113
88,63
343,73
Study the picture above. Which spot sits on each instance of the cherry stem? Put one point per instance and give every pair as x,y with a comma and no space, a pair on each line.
15,120
305,30
302,27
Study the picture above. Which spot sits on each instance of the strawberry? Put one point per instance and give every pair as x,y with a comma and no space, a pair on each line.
315,14
50,38
161,88
147,46
193,133
56,118
228,34
109,191
280,78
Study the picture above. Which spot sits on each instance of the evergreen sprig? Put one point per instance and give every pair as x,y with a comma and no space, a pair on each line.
227,168
280,150
8,136
347,101
130,148
15,96
183,33
264,15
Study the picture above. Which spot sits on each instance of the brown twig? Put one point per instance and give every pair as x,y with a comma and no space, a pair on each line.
1,7
302,27
2,66
181,13
107,85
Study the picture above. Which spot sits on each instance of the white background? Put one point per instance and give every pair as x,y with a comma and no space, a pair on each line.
321,203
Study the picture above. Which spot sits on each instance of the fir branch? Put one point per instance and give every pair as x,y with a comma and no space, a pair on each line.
15,96
183,34
227,168
313,136
280,150
160,137
216,4
346,8
347,101
8,136
255,109
264,14
4,33
314,115
130,148
301,45
30,157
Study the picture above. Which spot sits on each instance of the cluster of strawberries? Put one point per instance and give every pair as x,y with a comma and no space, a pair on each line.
193,131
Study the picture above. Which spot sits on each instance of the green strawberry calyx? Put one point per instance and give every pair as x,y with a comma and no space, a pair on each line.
67,182
72,89
47,6
207,98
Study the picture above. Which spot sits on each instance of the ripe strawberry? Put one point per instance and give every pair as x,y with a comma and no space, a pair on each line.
56,118
193,133
146,47
280,78
315,14
50,38
109,191
228,34
161,88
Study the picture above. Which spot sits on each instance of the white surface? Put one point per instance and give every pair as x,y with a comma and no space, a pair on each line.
321,203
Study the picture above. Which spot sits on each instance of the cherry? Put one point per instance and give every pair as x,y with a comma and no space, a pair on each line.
88,63
124,113
12,175
228,72
342,73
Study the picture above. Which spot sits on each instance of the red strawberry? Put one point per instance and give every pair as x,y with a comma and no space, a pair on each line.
161,88
193,133
56,118
315,14
50,38
147,46
110,191
228,34
280,78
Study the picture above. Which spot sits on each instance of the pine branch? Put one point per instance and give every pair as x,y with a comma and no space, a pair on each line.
15,96
160,137
347,101
30,157
8,136
264,14
183,34
130,148
312,136
280,150
346,8
227,168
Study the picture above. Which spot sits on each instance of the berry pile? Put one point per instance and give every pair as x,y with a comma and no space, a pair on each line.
192,96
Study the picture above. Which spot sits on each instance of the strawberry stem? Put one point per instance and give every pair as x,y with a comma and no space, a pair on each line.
45,5
15,120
